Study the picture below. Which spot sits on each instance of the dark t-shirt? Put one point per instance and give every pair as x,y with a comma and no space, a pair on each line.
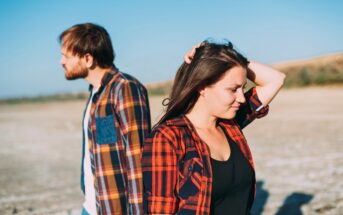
232,185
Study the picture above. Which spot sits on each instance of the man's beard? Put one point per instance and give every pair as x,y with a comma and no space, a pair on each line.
76,74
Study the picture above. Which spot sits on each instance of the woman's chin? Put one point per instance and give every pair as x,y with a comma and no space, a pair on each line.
228,115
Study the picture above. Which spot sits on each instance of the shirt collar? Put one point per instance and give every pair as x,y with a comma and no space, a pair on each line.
106,78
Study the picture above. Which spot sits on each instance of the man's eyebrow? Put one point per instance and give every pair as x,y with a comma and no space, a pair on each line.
64,54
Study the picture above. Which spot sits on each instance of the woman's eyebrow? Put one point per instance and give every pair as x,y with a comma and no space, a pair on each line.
238,85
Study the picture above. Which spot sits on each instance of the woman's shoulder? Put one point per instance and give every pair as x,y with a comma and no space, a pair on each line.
169,129
168,126
175,123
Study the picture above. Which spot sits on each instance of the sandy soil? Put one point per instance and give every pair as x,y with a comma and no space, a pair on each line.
297,148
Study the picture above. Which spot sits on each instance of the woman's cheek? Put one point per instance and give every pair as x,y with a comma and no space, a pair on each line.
229,97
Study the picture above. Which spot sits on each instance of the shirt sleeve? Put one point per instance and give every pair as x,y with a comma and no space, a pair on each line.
251,109
160,174
132,107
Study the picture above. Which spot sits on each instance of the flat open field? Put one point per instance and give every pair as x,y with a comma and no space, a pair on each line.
297,148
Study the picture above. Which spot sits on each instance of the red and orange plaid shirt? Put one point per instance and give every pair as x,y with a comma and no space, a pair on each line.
176,163
119,122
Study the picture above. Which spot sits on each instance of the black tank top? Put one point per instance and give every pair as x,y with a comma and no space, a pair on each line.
232,185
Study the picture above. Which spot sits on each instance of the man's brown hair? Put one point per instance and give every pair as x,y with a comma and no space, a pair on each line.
89,38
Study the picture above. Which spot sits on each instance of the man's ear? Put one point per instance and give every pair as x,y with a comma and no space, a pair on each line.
89,60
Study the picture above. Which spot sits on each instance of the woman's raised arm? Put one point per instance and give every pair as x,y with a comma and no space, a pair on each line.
267,79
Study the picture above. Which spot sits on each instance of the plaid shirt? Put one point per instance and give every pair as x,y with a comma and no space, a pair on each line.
176,164
119,122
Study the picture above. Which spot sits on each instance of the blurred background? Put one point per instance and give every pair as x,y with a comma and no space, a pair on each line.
297,148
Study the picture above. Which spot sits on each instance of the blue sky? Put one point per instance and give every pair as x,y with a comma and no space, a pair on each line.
151,36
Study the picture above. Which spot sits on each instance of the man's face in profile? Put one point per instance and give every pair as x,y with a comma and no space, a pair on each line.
74,66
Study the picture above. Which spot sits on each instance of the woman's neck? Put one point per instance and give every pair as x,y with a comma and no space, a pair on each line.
201,119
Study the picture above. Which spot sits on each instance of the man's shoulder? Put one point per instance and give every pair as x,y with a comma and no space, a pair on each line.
121,79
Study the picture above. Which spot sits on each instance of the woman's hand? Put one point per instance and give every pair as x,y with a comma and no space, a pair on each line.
190,54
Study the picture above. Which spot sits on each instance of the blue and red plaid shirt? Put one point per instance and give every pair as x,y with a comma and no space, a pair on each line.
119,122
176,163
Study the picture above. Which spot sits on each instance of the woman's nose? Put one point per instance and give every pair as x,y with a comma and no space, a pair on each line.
240,96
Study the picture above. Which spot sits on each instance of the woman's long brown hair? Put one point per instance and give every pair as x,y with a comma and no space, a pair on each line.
209,64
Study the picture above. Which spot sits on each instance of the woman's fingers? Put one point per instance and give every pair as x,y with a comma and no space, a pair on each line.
190,54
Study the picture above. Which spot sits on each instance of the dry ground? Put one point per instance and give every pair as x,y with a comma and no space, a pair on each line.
297,148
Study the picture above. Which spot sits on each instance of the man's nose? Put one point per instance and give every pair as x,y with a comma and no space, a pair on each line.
62,61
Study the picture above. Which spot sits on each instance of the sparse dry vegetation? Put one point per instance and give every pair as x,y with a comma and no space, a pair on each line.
326,70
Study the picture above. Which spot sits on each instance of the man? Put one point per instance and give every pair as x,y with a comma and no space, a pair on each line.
115,122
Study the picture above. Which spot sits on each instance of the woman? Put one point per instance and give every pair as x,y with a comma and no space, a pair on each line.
196,160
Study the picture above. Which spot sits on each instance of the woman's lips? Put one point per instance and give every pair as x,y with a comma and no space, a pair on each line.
235,107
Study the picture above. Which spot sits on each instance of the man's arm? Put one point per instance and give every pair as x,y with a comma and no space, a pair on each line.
132,108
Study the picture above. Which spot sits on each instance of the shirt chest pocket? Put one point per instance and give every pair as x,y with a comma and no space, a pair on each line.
105,130
190,177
